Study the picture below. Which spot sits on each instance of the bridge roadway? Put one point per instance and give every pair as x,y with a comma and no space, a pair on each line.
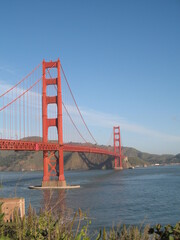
19,145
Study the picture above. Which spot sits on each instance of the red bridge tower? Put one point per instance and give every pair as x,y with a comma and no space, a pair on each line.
117,148
52,160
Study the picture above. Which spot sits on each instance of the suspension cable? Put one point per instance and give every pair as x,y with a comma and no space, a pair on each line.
77,105
69,114
21,80
18,97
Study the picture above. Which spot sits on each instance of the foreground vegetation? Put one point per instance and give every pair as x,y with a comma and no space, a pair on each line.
46,226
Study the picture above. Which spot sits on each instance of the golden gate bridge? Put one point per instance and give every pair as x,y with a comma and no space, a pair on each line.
40,113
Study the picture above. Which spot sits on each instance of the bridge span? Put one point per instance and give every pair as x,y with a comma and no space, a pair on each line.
36,105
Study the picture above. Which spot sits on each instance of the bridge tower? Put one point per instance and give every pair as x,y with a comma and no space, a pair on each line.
117,148
53,175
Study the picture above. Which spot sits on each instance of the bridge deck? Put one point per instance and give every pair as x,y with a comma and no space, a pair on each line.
40,146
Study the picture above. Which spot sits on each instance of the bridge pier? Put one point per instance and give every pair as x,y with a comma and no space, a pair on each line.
118,168
53,184
53,177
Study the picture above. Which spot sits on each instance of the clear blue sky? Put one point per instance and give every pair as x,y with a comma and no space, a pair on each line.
122,60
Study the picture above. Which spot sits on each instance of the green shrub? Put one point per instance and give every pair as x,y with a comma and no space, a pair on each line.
166,233
47,226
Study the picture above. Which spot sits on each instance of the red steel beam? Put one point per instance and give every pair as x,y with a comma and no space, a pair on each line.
40,146
51,81
87,149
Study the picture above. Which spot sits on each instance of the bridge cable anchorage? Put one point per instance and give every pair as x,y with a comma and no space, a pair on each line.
21,80
22,94
70,115
77,105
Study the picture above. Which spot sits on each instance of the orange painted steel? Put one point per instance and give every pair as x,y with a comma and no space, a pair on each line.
49,162
49,146
117,147
87,149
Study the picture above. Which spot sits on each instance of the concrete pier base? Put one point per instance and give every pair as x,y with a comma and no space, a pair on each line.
53,183
118,168
54,187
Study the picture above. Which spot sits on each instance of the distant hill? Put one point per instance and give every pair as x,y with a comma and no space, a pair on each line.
136,157
30,161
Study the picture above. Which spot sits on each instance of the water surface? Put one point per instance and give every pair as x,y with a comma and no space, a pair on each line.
146,195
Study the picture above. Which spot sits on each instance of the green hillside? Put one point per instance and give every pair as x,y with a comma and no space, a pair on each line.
30,161
139,158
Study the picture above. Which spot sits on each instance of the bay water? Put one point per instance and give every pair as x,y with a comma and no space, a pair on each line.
139,196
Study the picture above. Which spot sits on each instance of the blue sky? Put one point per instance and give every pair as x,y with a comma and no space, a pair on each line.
122,60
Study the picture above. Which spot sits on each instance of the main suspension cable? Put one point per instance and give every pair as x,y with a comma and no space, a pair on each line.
21,80
77,105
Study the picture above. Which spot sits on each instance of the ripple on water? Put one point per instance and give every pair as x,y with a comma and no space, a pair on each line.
149,195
